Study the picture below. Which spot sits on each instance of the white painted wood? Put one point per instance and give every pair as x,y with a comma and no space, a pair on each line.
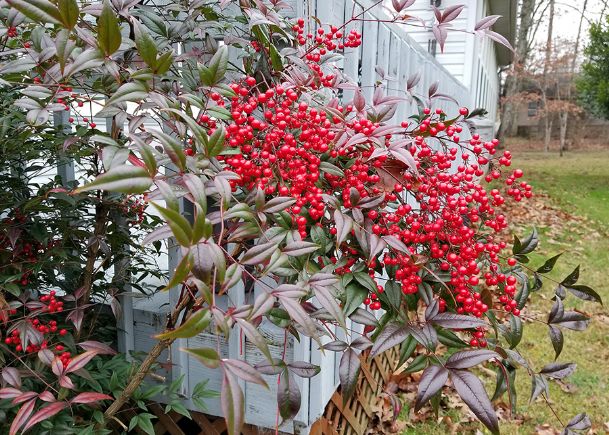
369,38
352,55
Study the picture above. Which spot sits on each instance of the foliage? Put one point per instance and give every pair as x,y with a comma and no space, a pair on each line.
346,218
592,84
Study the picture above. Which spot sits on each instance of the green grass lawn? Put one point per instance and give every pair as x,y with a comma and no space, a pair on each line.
577,184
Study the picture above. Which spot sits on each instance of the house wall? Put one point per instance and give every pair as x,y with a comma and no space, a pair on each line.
470,59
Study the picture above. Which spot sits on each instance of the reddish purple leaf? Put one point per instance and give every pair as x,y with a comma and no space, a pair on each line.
47,396
97,347
413,80
288,395
392,335
232,403
22,416
46,356
304,369
432,381
79,361
398,5
243,370
66,382
440,33
23,397
498,38
359,102
470,358
11,376
348,372
451,12
9,393
90,397
57,366
486,22
45,413
438,14
471,390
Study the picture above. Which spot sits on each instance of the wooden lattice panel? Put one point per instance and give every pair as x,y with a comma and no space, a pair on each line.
353,416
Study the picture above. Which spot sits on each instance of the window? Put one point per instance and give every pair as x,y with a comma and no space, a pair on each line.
532,110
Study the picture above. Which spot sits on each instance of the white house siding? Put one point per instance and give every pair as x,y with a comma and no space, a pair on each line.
469,58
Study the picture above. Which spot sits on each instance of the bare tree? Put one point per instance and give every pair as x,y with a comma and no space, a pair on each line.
522,49
544,90
564,116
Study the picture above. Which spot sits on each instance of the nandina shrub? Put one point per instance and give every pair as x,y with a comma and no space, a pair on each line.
354,215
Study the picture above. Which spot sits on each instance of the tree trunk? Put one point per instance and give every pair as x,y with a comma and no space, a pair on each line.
547,132
546,65
564,117
564,120
509,110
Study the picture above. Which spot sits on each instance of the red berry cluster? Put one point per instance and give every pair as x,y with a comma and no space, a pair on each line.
54,305
430,200
327,40
49,329
134,208
22,254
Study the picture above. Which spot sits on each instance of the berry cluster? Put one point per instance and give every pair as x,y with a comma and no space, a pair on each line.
431,203
19,256
50,332
134,208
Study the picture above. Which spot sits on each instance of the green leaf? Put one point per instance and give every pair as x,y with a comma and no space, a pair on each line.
173,148
108,30
42,11
124,179
364,279
131,91
163,63
144,423
355,297
69,12
194,325
207,356
215,144
181,272
523,294
179,225
331,169
259,253
417,364
146,46
513,334
63,46
214,72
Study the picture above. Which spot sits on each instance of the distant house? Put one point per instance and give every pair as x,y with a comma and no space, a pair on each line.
530,117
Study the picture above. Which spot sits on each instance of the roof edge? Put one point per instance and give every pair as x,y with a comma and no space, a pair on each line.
505,26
